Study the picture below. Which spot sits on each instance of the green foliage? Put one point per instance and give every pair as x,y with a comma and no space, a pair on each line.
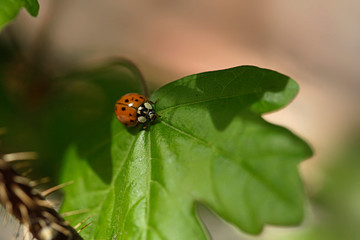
10,8
210,146
336,208
47,114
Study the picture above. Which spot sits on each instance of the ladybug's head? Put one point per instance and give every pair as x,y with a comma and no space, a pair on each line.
152,115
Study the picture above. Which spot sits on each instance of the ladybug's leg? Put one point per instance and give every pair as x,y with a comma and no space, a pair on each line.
154,102
156,117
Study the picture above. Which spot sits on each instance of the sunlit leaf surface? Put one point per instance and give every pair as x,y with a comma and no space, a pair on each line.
210,146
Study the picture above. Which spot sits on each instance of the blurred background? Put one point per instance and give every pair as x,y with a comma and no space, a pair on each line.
317,43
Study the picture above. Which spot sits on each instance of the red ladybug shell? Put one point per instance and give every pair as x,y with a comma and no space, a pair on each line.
132,100
126,107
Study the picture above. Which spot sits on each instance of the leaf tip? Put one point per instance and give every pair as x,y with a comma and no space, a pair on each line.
32,6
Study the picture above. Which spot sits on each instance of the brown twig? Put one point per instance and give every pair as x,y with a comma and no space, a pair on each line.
134,69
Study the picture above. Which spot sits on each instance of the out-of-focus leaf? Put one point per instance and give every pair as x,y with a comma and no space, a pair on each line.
10,8
336,205
71,107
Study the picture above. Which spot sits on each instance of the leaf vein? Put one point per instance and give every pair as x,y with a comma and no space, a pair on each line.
160,185
229,157
112,184
149,187
130,209
213,99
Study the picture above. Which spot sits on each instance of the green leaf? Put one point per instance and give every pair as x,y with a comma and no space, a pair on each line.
210,146
10,8
337,197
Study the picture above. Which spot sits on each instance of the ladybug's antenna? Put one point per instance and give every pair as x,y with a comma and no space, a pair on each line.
134,69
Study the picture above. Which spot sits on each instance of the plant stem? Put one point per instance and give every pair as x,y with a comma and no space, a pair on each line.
124,62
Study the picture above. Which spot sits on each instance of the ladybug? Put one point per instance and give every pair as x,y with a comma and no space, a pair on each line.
133,108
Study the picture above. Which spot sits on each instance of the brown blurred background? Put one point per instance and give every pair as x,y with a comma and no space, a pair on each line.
315,42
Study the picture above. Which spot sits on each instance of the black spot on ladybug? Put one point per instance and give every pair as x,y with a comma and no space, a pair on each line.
136,100
141,97
126,100
123,108
130,114
131,120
